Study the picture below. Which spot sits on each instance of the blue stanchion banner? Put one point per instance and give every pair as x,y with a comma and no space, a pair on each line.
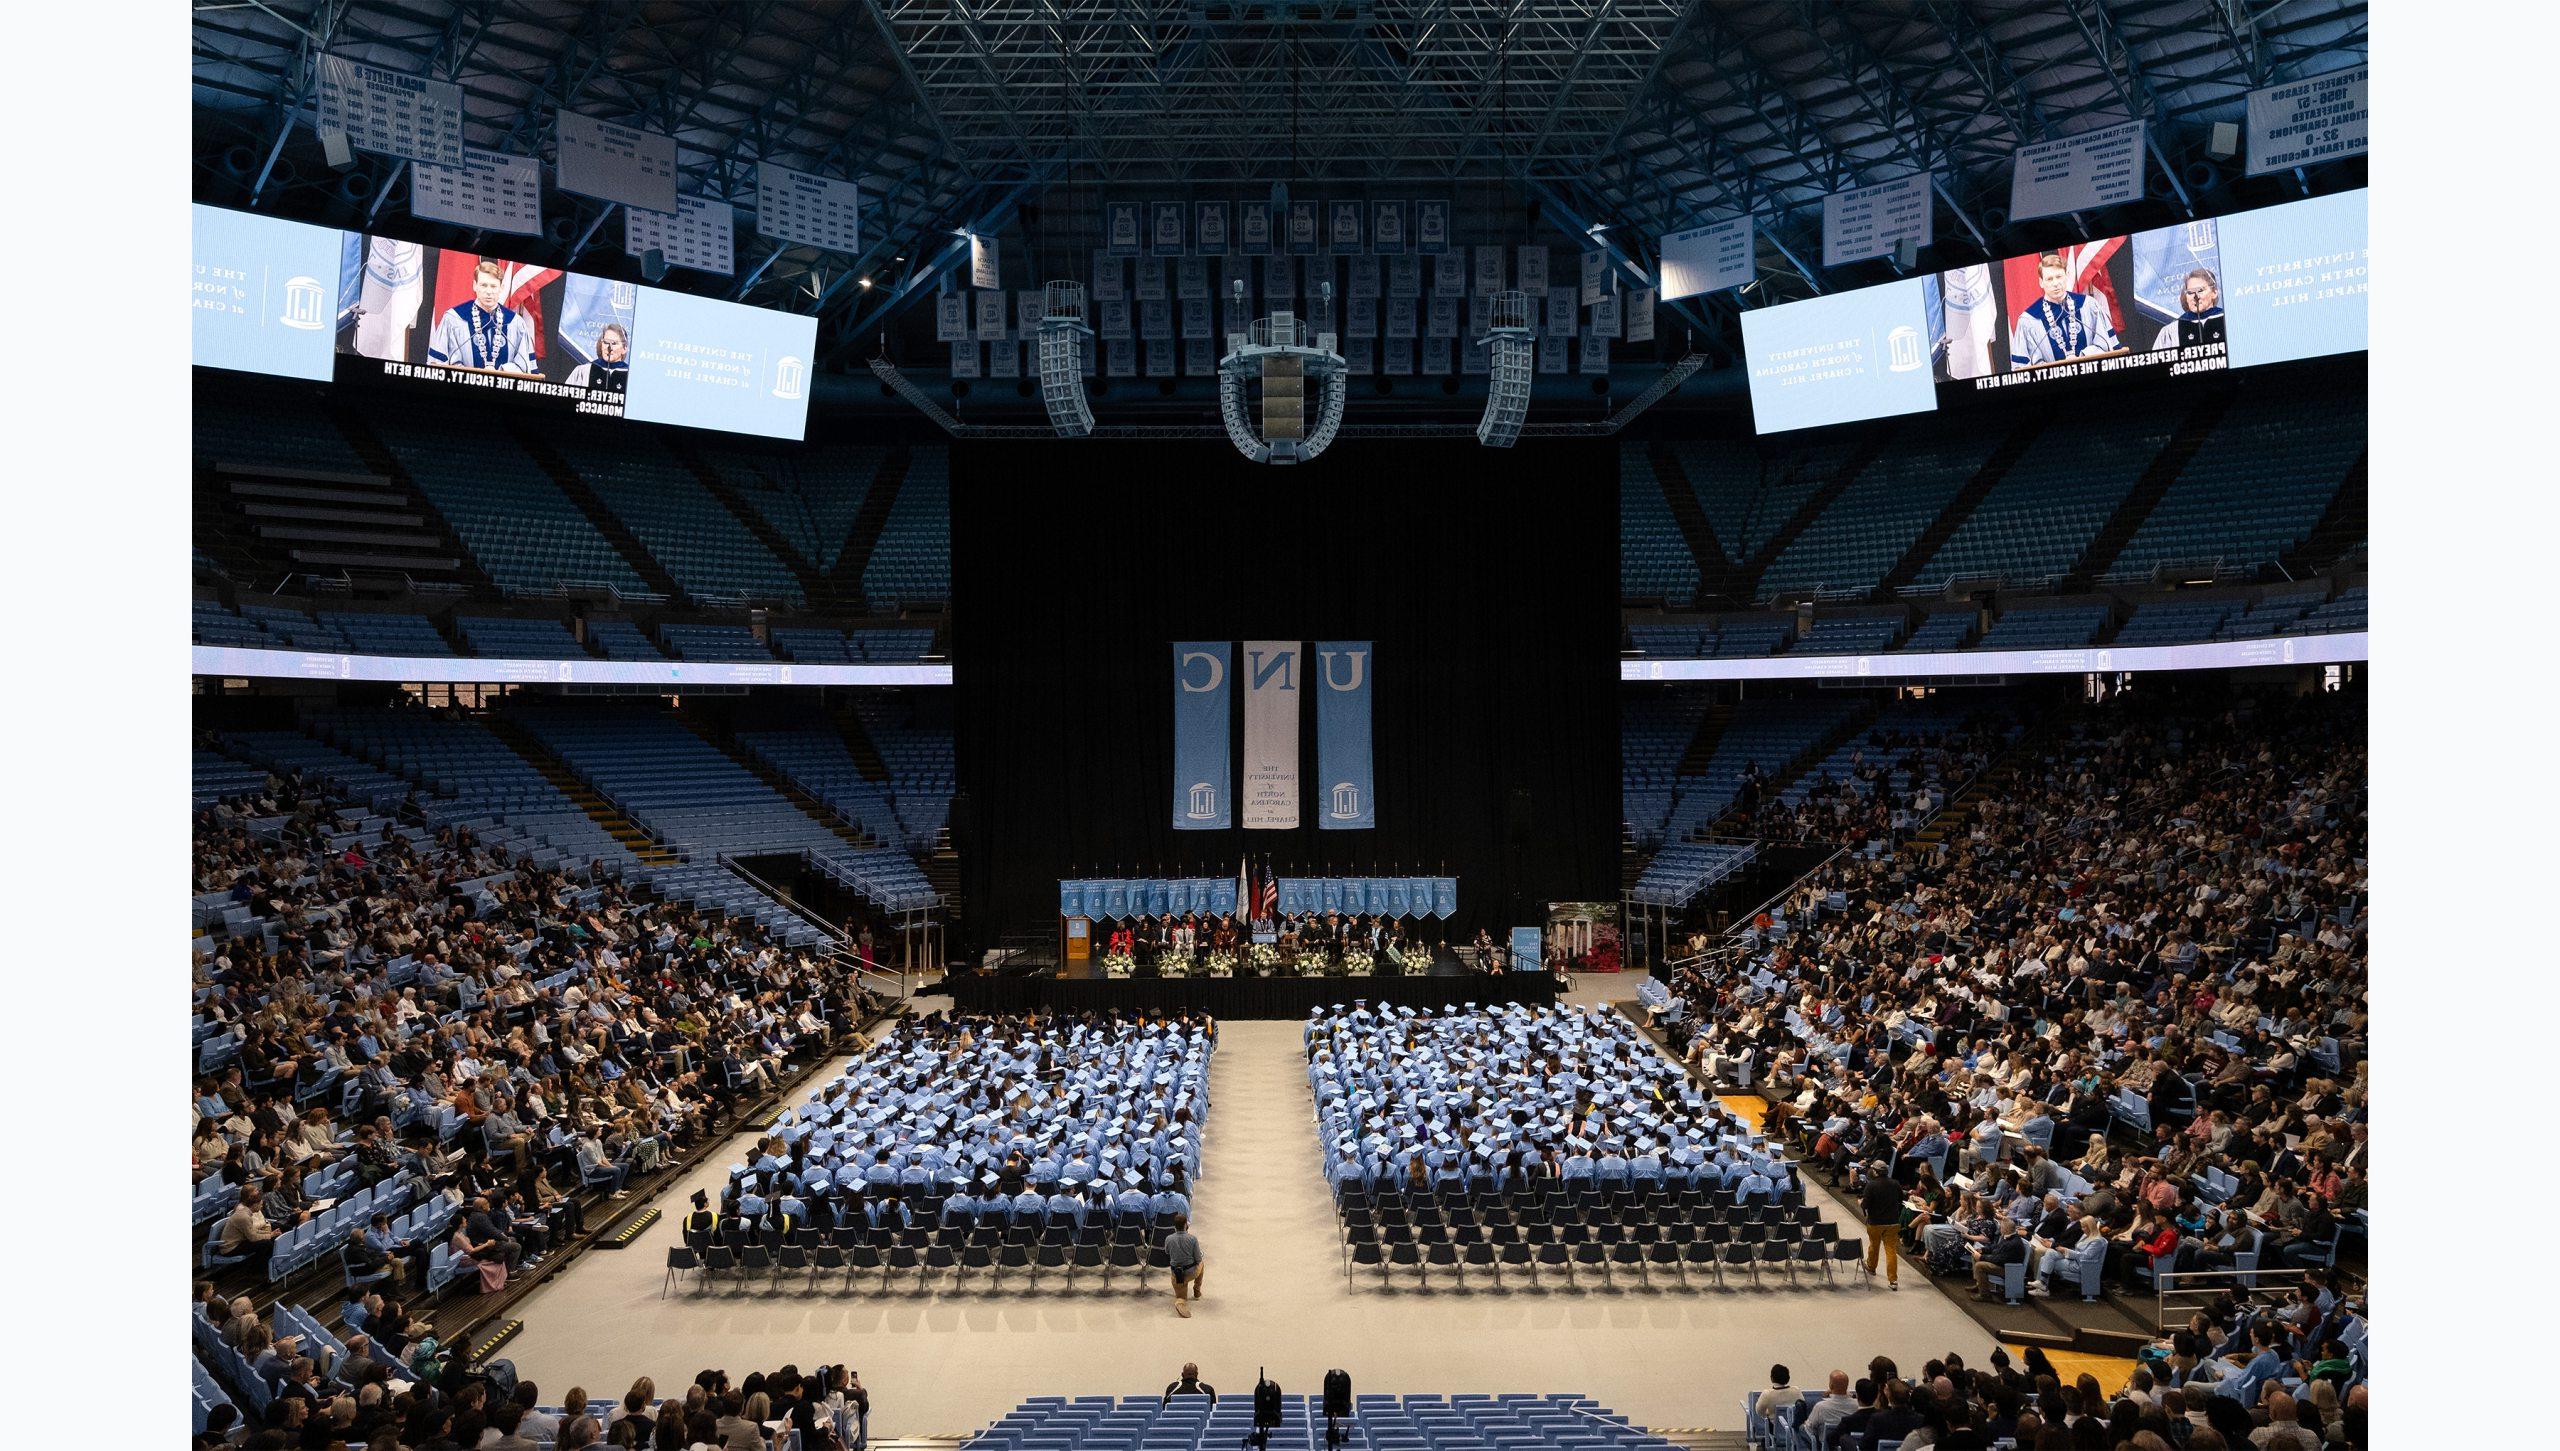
1294,896
1222,896
1329,894
1159,897
1071,899
1444,896
1203,784
1355,894
1343,762
1374,893
1115,900
1399,898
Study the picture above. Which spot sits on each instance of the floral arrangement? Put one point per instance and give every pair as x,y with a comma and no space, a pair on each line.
1172,962
1357,962
1265,958
1118,963
1221,963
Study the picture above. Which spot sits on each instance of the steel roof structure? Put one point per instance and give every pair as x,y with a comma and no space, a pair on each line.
1634,116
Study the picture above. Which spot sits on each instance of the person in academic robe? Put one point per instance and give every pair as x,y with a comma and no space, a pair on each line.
2199,322
2062,324
611,370
481,331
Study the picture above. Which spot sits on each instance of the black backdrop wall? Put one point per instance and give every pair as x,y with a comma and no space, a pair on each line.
1487,579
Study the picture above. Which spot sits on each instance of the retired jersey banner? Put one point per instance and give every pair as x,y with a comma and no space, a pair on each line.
1271,669
1164,232
1431,227
1199,735
1121,235
1343,765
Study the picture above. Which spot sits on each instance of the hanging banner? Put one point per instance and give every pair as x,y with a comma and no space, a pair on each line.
1365,277
1438,355
1279,282
1107,277
1201,785
700,233
1155,319
986,268
2101,168
1271,735
1449,275
1120,357
1404,277
1595,356
1604,319
1489,260
1209,228
951,317
1431,227
1115,900
1595,277
1029,306
1444,318
2304,122
1533,268
1564,309
1551,358
1360,317
1191,279
1402,316
1707,259
1871,221
1360,355
615,163
1199,321
1253,229
1342,736
1164,232
1444,896
1123,237
391,112
1305,230
990,316
1071,898
964,360
1160,357
1199,356
1111,317
1222,896
815,211
1399,356
488,192
1386,228
1004,359
1342,233
1639,321
1151,283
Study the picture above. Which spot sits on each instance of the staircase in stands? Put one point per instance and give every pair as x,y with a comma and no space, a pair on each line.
815,585
845,580
605,522
1967,499
1716,569
556,771
1869,446
378,457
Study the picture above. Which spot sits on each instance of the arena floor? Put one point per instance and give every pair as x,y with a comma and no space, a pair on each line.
943,1364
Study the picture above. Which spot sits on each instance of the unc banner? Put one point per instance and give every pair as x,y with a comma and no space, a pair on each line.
1271,735
1201,784
1222,896
1343,762
1373,896
1159,898
1115,900
1444,896
1399,898
1071,898
1294,897
1329,894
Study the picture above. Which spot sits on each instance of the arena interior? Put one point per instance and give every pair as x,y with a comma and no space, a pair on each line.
1656,712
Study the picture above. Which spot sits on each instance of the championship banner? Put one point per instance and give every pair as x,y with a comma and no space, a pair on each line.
1253,229
616,163
1150,286
1108,277
986,262
1343,762
392,112
1595,355
1199,321
1030,305
1443,318
1199,357
1595,277
1164,234
1431,227
488,192
1449,275
1342,232
1121,235
1191,279
1404,277
1444,896
2100,168
1120,357
1639,323
1708,259
1604,319
1160,357
1533,268
1551,358
1398,356
700,233
1366,277
815,211
1271,735
1279,281
1489,262
1004,359
2304,122
990,316
1871,221
1155,320
1209,228
1360,356
1564,310
1111,317
964,360
1438,355
1386,228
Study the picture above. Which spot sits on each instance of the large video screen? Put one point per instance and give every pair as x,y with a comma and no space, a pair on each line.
2152,299
2255,287
261,293
273,296
1839,358
703,363
2297,280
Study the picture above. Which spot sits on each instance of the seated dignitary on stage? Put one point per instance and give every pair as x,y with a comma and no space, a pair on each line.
1003,1106
1493,1098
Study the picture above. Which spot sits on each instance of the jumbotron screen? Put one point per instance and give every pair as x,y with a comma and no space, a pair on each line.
446,318
2264,286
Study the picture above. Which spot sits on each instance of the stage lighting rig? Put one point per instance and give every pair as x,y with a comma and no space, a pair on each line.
1512,349
1063,332
1279,353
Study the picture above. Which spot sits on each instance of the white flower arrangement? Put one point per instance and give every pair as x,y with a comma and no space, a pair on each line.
1173,963
1357,962
1221,963
1118,963
1265,958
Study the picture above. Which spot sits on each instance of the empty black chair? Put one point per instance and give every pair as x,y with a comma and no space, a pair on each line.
1084,1256
1665,1253
680,1258
793,1256
1124,1255
898,1258
1591,1252
1049,1254
942,1257
1814,1252
1437,1252
754,1259
1746,1255
1553,1255
1478,1254
1405,1254
860,1258
1779,1253
1364,1251
1013,1254
827,1256
1698,1252
1844,1252
1627,1252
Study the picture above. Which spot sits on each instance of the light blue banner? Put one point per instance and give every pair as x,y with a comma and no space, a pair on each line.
1399,897
1071,899
1222,896
1116,900
1444,896
1202,782
1329,894
1159,898
1296,896
1355,894
1343,765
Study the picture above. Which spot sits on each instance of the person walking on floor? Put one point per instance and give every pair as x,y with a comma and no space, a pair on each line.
1880,1206
1182,1251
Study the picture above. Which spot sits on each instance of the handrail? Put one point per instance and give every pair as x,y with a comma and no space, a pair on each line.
864,969
1742,920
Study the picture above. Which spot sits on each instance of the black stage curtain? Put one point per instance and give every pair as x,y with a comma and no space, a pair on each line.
1487,579
1241,997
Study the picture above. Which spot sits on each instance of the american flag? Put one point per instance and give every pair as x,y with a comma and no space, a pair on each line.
1266,894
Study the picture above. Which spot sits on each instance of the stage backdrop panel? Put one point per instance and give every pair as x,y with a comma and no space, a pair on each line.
1492,705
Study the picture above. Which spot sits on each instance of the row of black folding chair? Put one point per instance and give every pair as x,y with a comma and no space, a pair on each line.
955,1251
1691,1214
1530,1204
1388,1251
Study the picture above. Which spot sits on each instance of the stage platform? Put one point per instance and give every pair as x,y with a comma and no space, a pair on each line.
1241,997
